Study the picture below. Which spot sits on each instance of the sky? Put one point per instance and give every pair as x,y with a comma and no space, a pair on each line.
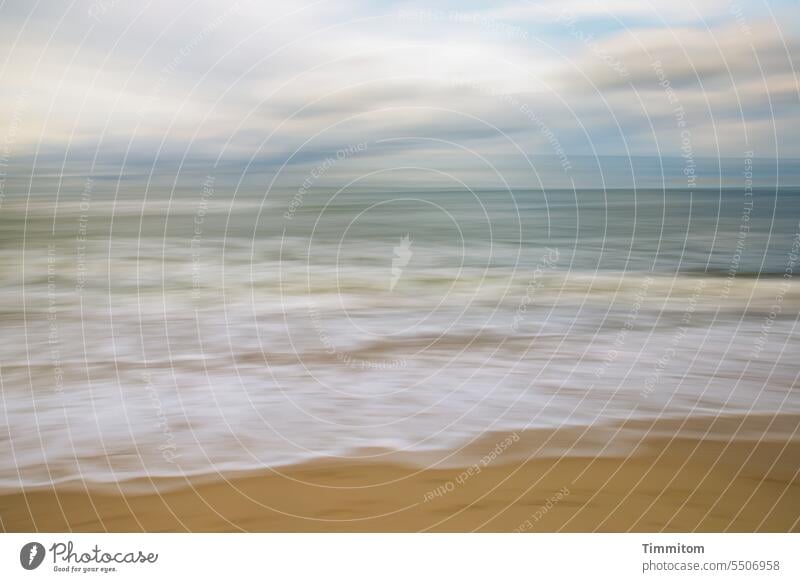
446,90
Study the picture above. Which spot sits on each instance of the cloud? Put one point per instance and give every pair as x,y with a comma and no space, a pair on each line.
201,80
555,10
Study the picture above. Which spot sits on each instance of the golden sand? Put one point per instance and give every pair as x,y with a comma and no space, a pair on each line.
664,484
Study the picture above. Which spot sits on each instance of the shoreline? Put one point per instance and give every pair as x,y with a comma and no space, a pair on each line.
611,439
664,483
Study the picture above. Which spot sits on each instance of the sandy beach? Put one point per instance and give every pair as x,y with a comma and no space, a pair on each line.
713,484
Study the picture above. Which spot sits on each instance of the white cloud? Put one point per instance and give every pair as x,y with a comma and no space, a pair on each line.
232,77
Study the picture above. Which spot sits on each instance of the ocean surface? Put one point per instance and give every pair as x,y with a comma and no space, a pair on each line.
156,331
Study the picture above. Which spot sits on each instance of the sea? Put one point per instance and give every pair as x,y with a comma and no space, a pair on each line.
201,322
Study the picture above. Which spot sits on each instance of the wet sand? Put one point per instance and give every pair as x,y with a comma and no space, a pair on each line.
686,483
